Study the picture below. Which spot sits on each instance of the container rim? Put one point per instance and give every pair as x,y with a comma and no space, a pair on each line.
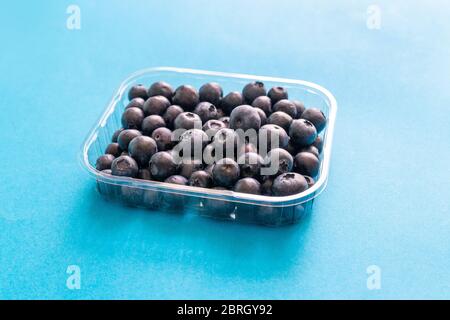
225,195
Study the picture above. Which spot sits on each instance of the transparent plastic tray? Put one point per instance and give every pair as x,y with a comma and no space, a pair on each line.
225,205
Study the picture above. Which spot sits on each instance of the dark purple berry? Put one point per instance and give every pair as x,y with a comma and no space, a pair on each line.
300,108
132,118
253,90
212,126
302,132
124,166
318,143
137,91
206,111
262,116
116,135
163,165
186,97
245,117
114,149
144,174
163,138
247,185
263,103
187,120
250,164
231,101
281,119
150,123
277,93
225,172
156,105
307,164
201,179
160,88
287,107
142,148
126,136
272,136
316,117
104,162
136,103
211,92
170,115
280,160
288,184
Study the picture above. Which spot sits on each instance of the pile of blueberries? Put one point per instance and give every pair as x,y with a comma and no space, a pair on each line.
144,147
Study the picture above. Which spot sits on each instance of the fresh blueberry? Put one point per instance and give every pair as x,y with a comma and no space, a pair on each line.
142,148
156,105
186,97
279,159
211,92
292,149
137,91
225,172
104,162
191,142
136,103
150,123
288,184
160,88
177,179
318,143
163,138
281,119
302,132
171,114
116,135
263,103
206,111
316,117
250,165
114,149
311,149
253,90
270,132
225,142
189,166
245,117
309,180
132,118
163,165
262,116
212,126
286,106
126,136
144,174
247,185
124,166
201,179
187,120
300,106
231,101
226,121
307,164
277,93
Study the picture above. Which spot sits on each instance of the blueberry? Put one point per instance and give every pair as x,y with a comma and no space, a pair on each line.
136,103
163,138
132,118
302,132
160,88
206,111
281,119
300,106
186,97
114,149
272,131
104,162
292,149
225,172
277,93
209,153
225,142
231,101
220,113
247,185
211,92
150,123
156,105
250,164
316,117
311,149
212,126
263,103
116,135
189,166
126,136
187,120
192,141
142,148
170,115
266,185
144,174
307,164
177,179
253,90
309,180
226,121
286,106
318,143
137,91
280,160
246,147
262,116
163,165
124,166
288,184
245,117
201,179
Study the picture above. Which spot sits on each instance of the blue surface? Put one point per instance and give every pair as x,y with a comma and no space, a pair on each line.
386,204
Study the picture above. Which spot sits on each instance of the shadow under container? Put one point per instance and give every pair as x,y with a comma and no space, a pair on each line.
224,205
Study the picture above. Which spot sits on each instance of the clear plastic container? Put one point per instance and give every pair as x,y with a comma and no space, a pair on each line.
225,205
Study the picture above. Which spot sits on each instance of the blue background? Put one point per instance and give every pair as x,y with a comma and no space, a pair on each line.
386,204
